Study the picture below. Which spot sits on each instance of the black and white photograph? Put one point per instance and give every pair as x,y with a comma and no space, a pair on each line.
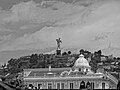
59,44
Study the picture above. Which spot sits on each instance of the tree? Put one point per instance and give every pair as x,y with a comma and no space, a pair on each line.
69,52
93,64
81,51
33,59
12,62
99,52
64,53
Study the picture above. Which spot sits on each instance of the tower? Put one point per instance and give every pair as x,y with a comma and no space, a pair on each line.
58,51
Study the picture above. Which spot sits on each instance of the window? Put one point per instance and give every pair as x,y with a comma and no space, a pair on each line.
58,85
88,85
49,85
86,70
82,85
39,86
103,85
71,85
30,85
62,85
92,85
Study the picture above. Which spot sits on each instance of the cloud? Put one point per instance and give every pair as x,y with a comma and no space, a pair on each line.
37,13
22,11
27,18
31,26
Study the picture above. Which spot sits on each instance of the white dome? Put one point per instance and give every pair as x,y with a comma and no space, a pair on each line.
81,62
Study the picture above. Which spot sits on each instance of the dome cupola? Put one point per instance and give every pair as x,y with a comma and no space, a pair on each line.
81,62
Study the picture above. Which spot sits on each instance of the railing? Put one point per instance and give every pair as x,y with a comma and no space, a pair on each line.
66,76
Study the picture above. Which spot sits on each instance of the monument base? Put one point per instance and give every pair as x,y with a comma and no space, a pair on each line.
58,52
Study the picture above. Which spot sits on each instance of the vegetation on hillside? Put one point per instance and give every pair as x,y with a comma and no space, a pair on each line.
67,59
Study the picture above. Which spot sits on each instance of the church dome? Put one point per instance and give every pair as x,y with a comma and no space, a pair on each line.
81,62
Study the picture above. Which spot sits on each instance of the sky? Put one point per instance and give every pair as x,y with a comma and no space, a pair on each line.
32,26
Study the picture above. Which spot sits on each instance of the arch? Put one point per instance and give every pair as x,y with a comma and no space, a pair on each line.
88,85
80,69
82,85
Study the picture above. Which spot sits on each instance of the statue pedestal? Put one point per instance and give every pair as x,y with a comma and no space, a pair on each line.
58,52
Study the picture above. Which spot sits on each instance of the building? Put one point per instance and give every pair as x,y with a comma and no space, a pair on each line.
78,77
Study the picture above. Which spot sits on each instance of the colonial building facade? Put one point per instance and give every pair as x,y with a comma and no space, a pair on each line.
78,77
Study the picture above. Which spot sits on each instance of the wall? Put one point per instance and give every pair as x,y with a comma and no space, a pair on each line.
66,83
